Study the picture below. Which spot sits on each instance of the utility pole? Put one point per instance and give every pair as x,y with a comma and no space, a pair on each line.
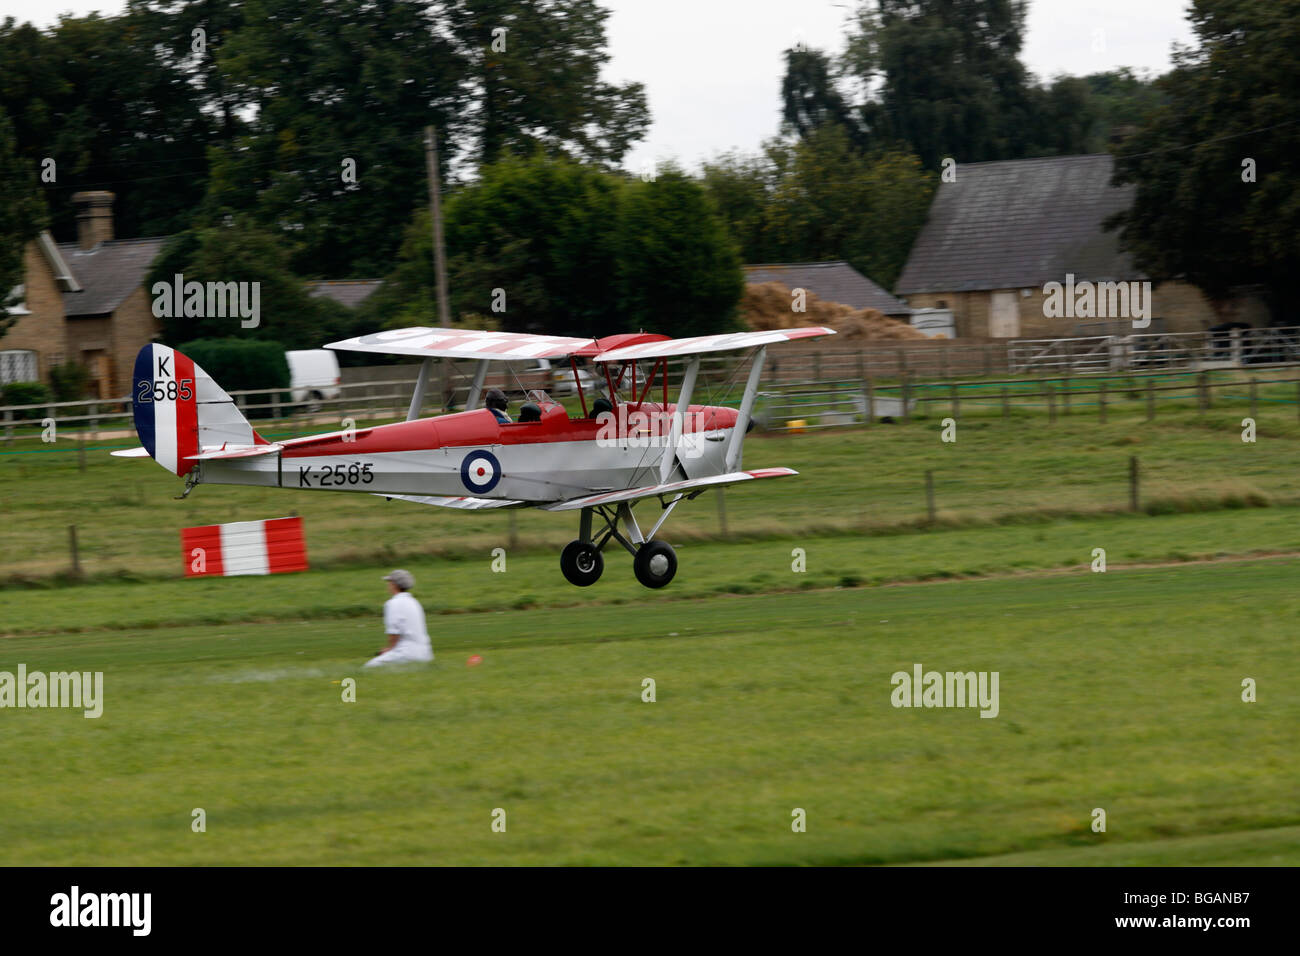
439,255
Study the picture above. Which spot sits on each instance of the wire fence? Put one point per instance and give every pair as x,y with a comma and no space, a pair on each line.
833,383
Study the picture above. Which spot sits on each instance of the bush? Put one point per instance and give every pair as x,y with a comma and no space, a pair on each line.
70,381
26,393
239,363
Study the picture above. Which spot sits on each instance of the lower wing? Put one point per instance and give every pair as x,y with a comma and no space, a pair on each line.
672,488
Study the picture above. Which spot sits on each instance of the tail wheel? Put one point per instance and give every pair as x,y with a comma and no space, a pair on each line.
655,564
581,563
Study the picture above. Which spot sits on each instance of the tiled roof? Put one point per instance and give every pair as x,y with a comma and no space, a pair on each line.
348,292
831,281
1018,224
108,273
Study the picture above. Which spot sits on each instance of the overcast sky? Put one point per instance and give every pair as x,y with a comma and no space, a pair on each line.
712,68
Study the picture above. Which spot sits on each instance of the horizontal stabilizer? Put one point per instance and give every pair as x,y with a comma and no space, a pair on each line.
672,488
464,504
237,451
131,453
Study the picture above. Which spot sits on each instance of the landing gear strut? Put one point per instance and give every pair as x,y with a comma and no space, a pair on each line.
653,562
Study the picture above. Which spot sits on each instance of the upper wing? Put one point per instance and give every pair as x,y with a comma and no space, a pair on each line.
709,343
465,504
463,343
672,488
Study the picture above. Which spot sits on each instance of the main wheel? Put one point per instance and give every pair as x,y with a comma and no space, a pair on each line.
581,563
655,564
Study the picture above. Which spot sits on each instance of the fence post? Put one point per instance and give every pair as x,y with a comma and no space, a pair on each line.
988,361
1202,392
81,451
956,401
929,495
1151,401
9,425
1065,396
72,547
94,422
1133,483
1101,402
1006,408
907,397
871,401
1253,398
1050,394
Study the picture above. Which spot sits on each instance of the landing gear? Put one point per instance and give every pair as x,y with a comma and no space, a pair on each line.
653,562
582,563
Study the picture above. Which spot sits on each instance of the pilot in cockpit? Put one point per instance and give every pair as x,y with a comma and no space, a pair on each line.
497,404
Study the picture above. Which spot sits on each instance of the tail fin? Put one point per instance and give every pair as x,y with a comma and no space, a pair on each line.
179,410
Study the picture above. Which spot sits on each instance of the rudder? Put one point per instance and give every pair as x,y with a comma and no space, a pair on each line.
179,410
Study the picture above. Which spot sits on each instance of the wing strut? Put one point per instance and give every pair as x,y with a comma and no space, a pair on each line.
746,406
669,461
421,386
476,389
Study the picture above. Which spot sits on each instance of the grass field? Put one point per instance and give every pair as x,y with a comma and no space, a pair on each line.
853,482
1119,691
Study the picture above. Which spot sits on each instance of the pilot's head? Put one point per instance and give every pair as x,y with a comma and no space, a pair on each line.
496,399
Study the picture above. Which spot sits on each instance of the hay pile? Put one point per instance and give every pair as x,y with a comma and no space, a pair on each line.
766,306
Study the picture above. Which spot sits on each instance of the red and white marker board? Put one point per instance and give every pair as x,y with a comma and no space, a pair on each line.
273,546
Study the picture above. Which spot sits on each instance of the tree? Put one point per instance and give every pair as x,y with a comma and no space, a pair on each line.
533,72
98,98
22,216
678,269
573,250
809,97
241,252
1215,169
820,198
950,81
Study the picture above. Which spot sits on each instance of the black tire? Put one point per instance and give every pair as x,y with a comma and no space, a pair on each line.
581,563
655,564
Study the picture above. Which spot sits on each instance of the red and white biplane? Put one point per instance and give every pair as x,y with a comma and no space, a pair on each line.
630,443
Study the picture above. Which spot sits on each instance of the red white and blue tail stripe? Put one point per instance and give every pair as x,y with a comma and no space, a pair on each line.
179,410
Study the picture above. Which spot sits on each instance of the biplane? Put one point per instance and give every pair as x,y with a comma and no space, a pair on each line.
629,444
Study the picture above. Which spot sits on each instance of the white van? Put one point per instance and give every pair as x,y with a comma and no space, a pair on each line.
313,375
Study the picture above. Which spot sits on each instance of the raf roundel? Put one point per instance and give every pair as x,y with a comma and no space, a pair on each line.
480,472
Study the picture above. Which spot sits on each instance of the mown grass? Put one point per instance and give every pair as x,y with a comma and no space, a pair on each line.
1117,690
467,583
853,481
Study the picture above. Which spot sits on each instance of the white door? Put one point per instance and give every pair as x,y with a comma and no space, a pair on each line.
1004,315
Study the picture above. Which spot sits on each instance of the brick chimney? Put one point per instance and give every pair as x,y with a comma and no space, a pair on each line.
94,217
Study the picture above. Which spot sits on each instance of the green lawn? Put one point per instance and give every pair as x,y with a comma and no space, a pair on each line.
1117,690
853,481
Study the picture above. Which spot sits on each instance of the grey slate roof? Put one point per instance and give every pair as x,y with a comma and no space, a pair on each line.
1018,224
108,273
832,281
348,292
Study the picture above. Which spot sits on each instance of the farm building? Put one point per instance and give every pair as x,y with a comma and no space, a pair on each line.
1003,230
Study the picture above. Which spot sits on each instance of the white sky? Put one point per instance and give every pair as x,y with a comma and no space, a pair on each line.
712,68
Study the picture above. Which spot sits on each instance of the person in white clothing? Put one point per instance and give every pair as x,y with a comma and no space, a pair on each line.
408,640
